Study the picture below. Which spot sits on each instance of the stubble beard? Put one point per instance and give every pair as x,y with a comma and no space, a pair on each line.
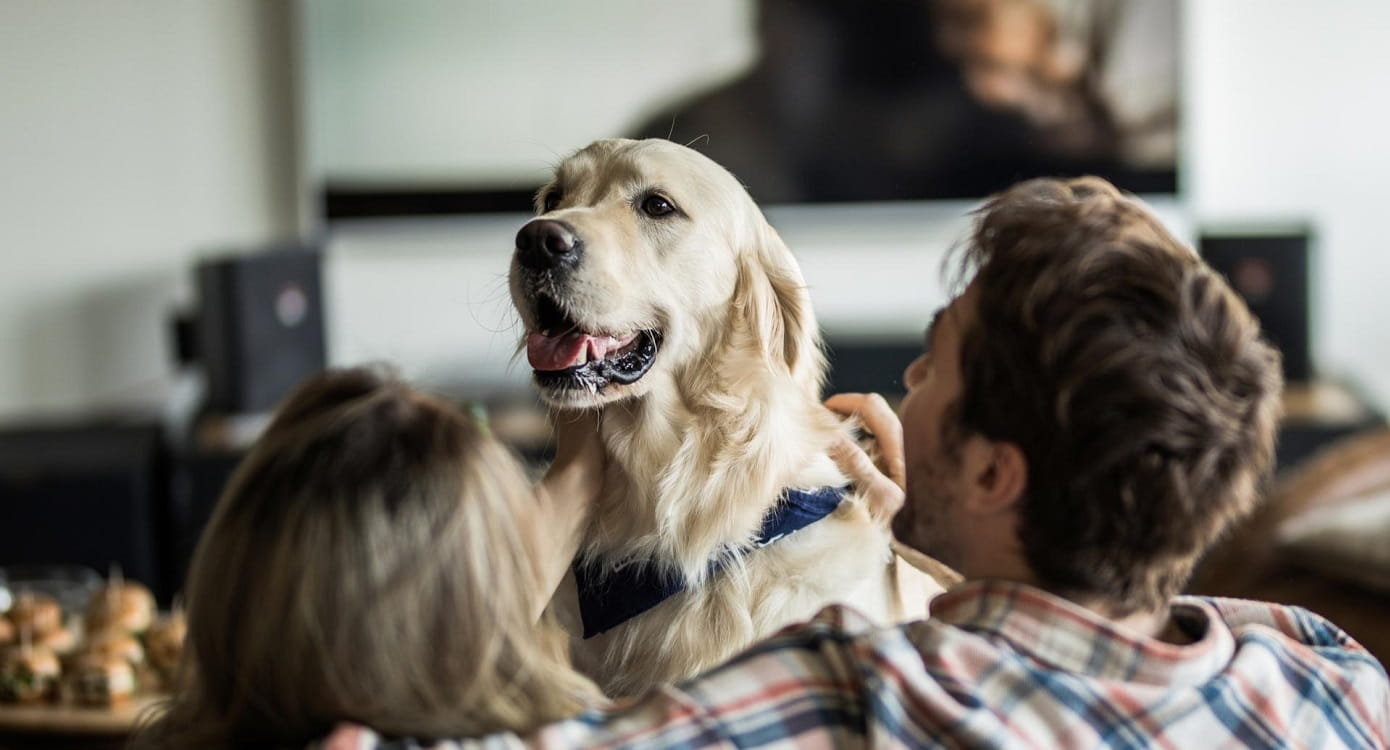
924,521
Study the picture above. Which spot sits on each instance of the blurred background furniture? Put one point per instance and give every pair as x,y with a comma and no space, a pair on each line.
68,728
90,492
1333,571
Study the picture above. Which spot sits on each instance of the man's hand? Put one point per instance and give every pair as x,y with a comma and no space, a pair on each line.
883,484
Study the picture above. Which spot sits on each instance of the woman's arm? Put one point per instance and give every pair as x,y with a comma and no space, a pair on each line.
566,494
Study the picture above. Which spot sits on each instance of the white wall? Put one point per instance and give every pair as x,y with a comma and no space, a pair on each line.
1288,116
134,134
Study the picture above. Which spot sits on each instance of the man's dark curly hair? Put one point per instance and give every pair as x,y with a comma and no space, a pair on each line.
1135,382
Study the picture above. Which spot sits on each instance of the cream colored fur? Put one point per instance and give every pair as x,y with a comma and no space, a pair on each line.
728,416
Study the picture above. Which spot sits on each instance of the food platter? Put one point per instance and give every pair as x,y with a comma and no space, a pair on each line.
84,658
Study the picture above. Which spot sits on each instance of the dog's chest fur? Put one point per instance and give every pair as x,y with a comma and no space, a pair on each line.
689,495
788,581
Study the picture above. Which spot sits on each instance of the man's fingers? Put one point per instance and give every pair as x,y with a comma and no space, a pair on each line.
853,461
846,404
843,403
882,422
883,496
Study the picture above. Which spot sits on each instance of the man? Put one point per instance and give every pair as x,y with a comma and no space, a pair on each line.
1087,418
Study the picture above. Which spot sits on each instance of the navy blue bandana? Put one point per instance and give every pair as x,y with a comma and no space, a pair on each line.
607,600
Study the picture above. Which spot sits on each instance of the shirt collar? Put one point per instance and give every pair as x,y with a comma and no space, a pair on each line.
1067,636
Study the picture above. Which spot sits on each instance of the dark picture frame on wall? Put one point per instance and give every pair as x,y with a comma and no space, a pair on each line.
833,102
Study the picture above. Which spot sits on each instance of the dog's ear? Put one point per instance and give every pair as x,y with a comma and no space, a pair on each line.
774,298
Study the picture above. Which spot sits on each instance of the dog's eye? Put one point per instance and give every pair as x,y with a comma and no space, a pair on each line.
655,205
551,201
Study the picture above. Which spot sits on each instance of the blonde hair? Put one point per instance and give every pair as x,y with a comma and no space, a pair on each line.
371,560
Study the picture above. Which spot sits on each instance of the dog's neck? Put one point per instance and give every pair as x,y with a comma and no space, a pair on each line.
698,461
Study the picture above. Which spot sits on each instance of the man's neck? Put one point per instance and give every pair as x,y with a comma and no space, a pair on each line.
1005,562
1153,623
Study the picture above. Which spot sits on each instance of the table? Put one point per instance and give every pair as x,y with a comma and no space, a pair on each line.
47,725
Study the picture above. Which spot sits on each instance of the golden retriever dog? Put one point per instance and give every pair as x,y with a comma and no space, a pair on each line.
652,288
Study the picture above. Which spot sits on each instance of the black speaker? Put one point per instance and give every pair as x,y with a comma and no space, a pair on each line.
260,328
1270,271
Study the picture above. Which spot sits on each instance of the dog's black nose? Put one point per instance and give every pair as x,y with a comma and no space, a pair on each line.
546,243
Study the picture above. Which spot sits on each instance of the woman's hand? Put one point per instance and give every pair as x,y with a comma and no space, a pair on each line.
579,457
882,482
568,492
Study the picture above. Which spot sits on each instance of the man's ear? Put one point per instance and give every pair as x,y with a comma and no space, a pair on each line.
773,295
997,472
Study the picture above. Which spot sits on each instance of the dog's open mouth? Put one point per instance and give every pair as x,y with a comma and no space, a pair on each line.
566,356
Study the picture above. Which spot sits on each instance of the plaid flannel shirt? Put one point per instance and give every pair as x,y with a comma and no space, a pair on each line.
1005,665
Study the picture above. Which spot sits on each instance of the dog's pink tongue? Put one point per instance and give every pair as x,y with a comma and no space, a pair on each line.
567,350
556,352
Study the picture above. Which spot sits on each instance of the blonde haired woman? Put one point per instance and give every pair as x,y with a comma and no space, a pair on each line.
379,558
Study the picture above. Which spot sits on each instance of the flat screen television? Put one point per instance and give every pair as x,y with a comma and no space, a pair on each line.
437,107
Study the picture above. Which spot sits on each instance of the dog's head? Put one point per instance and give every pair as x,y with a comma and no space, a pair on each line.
647,259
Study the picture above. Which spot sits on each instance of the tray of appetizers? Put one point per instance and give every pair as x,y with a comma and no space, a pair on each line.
83,658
